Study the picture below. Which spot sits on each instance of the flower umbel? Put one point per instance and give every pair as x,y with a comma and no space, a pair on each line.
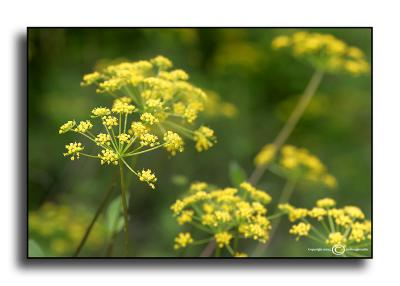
224,215
162,97
324,52
328,225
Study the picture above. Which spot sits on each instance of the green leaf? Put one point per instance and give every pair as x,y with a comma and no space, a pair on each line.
119,225
113,215
237,175
34,250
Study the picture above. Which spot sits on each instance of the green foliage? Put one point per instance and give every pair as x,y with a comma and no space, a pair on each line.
34,250
237,174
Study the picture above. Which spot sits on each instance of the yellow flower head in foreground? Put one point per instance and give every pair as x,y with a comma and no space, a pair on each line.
218,213
324,52
173,142
330,225
301,229
204,137
183,240
336,238
223,238
120,133
162,98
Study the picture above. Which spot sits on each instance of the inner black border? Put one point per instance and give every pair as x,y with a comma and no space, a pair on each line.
23,138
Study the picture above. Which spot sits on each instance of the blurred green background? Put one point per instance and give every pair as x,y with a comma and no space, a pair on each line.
240,66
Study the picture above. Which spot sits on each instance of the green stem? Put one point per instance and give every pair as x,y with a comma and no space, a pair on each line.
144,151
291,123
316,239
331,223
90,156
96,216
284,198
230,250
125,209
325,226
274,216
218,252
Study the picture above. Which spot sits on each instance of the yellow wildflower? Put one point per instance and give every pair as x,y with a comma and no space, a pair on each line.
109,157
326,203
336,238
103,139
110,121
301,229
149,118
266,155
148,177
101,111
173,142
222,238
84,126
183,240
204,137
186,216
73,149
124,138
66,127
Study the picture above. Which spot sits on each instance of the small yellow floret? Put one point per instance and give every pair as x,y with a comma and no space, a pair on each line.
148,177
222,238
183,240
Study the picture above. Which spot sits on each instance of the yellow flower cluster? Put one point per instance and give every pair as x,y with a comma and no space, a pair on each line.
120,138
330,225
296,164
59,228
265,156
227,214
301,229
108,156
163,98
173,142
147,176
103,139
324,52
66,127
204,137
84,126
74,149
222,238
183,240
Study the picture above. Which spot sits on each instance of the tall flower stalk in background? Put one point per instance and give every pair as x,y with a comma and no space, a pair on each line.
152,108
326,54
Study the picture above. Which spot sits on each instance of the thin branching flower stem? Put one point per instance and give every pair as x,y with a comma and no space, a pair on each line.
294,118
96,216
124,208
